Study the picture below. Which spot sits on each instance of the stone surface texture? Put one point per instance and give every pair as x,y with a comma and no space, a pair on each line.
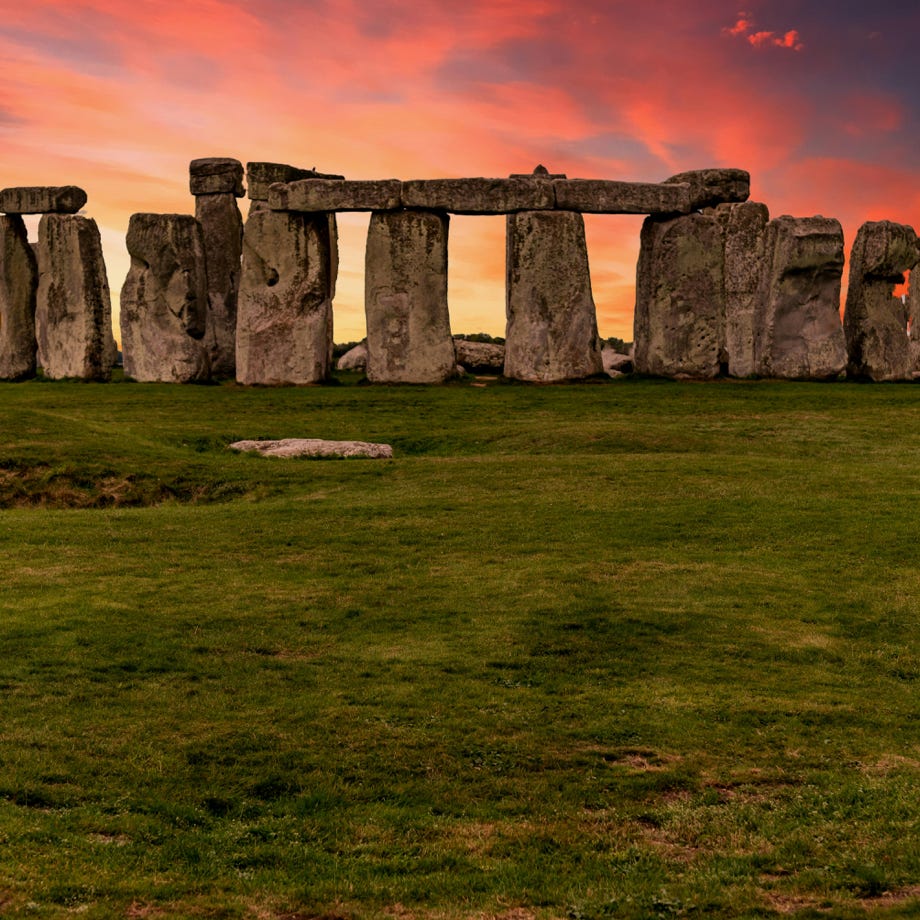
615,364
551,331
315,447
284,320
164,300
261,176
355,359
800,335
18,282
66,199
479,196
216,176
680,313
710,187
484,357
875,321
405,300
73,316
606,196
311,195
222,234
744,228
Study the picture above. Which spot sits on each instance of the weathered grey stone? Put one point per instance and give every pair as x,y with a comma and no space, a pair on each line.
479,196
18,281
73,316
164,300
875,322
261,176
800,335
710,187
284,320
314,447
680,312
66,199
744,228
480,357
551,331
355,359
607,196
405,298
615,364
222,234
311,195
912,302
216,176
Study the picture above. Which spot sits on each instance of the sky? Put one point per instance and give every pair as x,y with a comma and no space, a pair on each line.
818,99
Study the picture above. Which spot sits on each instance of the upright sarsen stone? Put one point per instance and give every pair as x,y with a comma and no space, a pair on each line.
551,331
284,321
73,316
164,300
18,281
800,333
875,322
405,298
680,311
222,235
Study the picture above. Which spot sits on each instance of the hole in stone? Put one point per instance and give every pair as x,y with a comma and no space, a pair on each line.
272,278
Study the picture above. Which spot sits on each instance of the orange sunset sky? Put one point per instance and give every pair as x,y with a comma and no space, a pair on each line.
818,100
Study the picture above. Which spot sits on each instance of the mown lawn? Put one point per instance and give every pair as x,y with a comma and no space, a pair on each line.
627,649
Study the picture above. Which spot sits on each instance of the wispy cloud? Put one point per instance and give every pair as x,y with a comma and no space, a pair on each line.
745,26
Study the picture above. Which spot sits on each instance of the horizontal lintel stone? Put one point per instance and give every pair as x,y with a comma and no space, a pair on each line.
42,199
216,176
336,195
609,196
711,187
261,176
479,196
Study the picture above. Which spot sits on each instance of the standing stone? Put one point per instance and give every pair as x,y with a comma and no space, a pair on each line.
800,333
744,227
73,316
284,324
222,233
405,298
912,302
164,300
680,310
18,281
875,321
216,176
551,330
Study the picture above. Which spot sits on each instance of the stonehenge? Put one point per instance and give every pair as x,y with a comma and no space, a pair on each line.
721,288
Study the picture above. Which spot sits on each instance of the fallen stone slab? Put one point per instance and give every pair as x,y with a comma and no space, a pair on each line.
42,199
355,359
480,356
261,176
216,176
615,364
710,187
609,196
311,195
315,447
479,196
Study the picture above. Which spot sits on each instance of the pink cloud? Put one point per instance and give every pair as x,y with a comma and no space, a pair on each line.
744,28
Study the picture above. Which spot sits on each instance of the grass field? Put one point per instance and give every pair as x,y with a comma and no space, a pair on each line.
627,649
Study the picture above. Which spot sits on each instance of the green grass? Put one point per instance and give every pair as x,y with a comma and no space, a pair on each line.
636,649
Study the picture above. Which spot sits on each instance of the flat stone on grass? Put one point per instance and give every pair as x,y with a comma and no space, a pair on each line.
315,447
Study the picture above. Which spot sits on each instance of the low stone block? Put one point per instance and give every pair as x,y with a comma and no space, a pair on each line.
73,316
405,298
284,318
607,196
479,196
710,187
480,357
222,235
164,300
18,282
65,199
261,176
679,316
216,176
800,335
312,195
315,447
875,322
551,322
